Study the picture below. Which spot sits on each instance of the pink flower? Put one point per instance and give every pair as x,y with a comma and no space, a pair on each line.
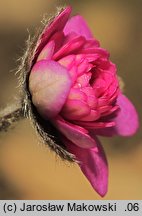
75,86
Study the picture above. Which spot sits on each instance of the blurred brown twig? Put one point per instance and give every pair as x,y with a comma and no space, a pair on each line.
10,115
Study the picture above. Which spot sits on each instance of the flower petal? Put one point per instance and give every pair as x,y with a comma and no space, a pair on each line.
93,164
126,122
71,47
93,115
94,125
49,84
58,38
56,25
78,135
78,25
75,109
47,51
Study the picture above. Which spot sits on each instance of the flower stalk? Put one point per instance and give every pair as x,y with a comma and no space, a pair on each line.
10,115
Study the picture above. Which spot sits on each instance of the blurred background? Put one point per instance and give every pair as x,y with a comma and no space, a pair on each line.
28,170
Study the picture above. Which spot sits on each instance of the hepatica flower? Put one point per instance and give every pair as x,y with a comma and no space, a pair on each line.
74,95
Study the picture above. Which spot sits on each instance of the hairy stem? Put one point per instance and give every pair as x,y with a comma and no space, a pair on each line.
10,115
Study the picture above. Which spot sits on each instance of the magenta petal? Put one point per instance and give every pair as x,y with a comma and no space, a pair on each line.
59,21
74,133
78,25
75,109
47,51
49,84
56,25
93,164
108,132
72,46
126,122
